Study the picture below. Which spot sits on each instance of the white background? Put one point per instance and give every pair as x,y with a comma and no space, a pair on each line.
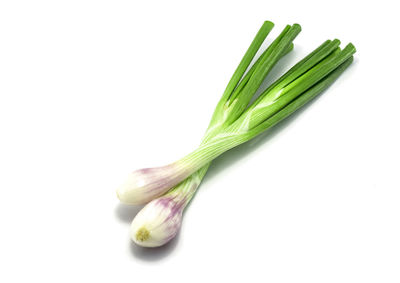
90,90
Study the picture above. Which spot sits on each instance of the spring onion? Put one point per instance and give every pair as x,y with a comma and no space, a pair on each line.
235,121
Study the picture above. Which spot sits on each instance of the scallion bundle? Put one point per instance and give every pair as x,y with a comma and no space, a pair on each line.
168,189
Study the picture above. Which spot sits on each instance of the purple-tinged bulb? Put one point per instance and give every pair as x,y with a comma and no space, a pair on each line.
144,185
158,222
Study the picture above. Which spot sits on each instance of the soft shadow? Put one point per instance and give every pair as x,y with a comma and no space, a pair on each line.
126,213
153,254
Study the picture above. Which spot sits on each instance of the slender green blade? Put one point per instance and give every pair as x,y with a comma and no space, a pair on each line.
301,100
259,65
248,57
274,53
277,99
219,114
320,70
299,69
247,76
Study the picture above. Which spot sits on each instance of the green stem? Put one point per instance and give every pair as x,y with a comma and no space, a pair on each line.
248,57
274,52
240,70
301,100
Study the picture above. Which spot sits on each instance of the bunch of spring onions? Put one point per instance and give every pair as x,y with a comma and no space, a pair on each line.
167,190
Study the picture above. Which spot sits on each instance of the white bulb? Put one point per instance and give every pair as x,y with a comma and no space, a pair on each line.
158,222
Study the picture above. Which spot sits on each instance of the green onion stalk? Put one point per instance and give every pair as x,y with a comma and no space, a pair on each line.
235,121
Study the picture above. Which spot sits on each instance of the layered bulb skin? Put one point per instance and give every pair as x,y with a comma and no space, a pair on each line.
158,222
143,185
